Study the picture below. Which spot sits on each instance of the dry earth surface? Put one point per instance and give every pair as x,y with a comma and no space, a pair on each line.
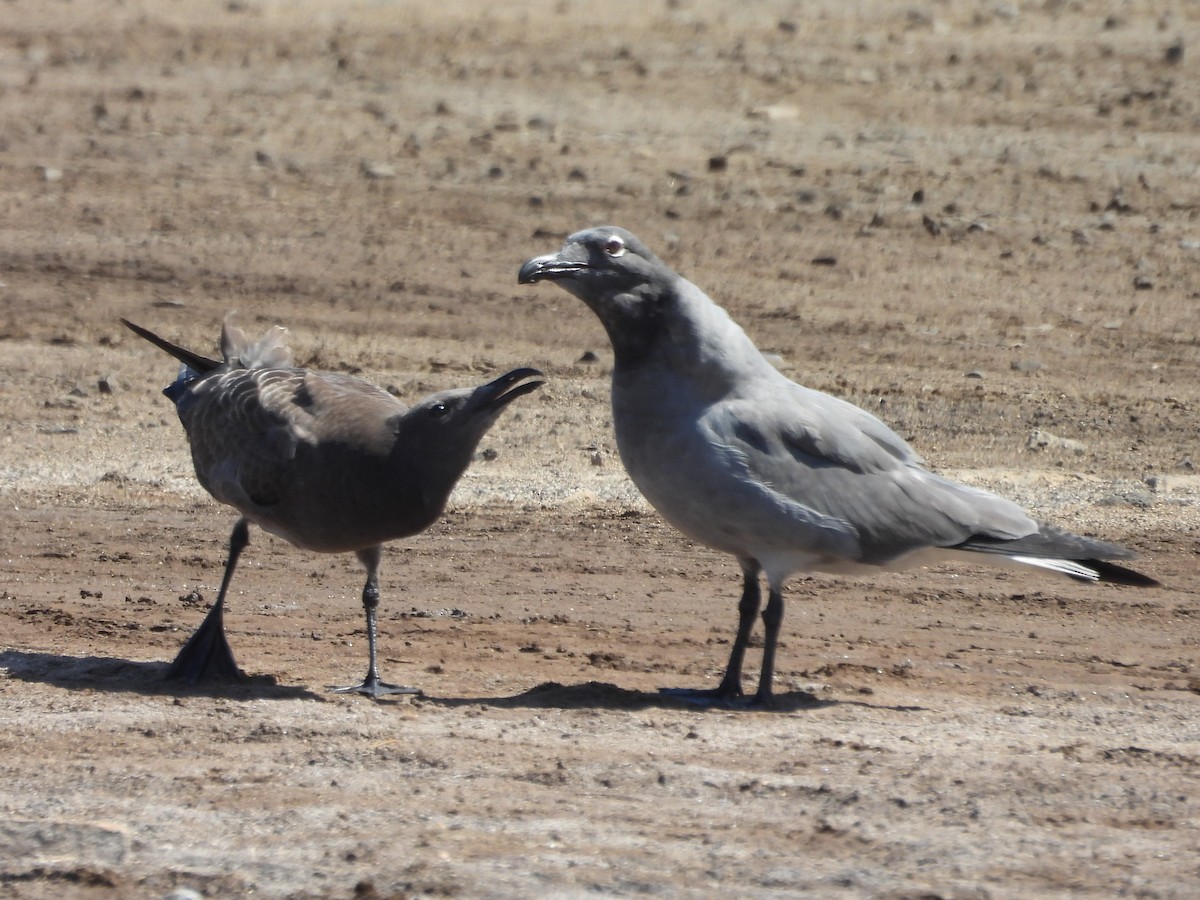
979,219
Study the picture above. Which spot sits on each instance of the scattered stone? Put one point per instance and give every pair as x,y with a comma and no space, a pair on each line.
718,163
776,112
932,225
1043,440
1026,365
825,261
1137,499
1173,55
192,598
974,373
1142,283
108,384
377,170
588,358
49,173
1118,204
491,454
1158,484
47,842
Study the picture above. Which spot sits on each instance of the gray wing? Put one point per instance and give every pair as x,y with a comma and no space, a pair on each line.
838,461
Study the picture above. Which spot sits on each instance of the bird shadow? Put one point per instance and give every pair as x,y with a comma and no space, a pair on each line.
117,675
602,695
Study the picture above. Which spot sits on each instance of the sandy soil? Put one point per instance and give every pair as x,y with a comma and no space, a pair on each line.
980,220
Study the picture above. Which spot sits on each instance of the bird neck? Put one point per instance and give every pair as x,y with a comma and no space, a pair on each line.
433,468
691,338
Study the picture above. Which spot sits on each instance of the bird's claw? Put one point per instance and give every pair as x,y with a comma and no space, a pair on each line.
374,688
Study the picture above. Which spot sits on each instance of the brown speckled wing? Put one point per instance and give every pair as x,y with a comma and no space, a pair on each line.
245,425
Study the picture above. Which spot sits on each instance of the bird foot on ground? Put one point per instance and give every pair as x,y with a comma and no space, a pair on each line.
373,688
205,657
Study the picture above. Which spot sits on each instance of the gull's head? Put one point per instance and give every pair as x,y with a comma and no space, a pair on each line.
597,263
614,273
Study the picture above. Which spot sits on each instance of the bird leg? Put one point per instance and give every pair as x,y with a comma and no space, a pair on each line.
730,688
372,686
206,655
772,620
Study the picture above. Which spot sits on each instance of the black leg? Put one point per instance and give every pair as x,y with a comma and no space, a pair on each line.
372,686
206,655
730,688
731,684
772,620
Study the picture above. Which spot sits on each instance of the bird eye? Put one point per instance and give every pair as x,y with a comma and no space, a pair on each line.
614,247
438,410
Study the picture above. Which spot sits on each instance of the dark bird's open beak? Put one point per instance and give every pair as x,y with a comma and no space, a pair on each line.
495,395
548,268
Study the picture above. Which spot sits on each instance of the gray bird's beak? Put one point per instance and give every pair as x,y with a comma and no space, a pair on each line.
549,268
495,395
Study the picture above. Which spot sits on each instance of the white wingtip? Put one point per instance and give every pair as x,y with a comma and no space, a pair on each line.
1067,567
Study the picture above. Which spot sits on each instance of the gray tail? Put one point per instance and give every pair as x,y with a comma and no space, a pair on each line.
199,364
1078,557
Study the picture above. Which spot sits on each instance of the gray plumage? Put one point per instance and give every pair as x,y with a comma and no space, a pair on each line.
328,462
785,478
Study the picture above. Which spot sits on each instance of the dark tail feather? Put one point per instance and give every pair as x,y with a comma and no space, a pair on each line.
199,364
1114,574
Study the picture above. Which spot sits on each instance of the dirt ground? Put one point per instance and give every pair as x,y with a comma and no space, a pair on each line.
979,220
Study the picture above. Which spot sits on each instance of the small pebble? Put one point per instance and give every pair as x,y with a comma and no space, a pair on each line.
1158,484
377,169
